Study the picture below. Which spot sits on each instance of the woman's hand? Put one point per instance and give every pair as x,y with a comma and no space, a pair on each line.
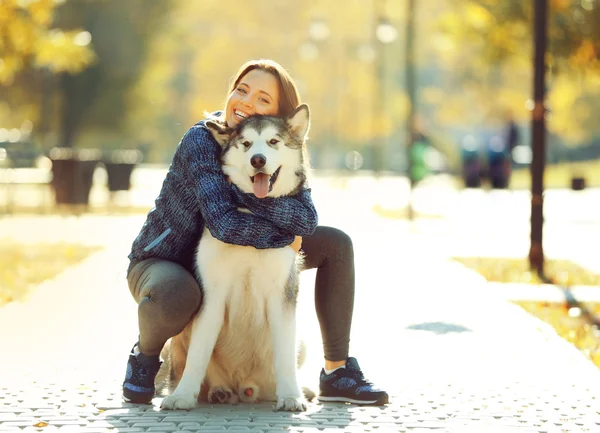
297,244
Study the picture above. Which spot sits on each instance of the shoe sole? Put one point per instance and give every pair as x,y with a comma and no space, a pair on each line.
377,402
137,400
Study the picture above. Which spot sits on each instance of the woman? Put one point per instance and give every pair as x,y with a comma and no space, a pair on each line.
195,194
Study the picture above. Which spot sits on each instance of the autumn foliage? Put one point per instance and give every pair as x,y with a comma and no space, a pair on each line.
28,39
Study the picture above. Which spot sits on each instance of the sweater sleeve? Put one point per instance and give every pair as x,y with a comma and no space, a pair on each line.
296,214
199,164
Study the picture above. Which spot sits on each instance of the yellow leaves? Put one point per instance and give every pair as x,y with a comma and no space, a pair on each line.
21,35
41,424
586,55
559,5
573,327
63,51
26,37
41,11
478,16
573,101
9,66
506,270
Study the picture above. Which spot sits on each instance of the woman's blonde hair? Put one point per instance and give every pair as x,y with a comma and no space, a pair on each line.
289,97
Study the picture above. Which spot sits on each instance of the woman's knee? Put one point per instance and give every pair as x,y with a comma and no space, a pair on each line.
173,298
341,242
167,291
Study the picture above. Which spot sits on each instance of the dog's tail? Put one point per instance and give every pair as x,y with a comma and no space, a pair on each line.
309,394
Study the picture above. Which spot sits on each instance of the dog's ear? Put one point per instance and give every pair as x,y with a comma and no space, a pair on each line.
299,121
220,131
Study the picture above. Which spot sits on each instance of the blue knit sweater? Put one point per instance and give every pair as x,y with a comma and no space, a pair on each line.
195,194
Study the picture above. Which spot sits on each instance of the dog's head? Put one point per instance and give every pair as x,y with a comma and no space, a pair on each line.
265,155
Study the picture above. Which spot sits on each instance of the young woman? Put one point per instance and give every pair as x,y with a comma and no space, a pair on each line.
195,193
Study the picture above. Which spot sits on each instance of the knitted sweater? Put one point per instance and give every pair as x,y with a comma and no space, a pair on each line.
195,194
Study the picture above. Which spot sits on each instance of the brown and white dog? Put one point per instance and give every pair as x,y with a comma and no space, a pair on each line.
242,345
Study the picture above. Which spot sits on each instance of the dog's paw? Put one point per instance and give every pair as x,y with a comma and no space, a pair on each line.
291,404
179,401
221,395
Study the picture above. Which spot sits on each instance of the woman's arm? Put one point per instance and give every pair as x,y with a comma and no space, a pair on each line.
295,214
198,160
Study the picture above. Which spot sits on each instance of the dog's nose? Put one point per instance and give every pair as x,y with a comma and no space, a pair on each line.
258,160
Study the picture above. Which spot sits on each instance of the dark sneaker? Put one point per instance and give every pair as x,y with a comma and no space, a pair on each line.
349,385
138,386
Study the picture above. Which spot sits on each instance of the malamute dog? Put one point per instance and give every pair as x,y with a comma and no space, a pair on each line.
242,344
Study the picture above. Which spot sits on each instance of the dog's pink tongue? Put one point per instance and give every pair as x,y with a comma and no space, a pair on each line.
261,185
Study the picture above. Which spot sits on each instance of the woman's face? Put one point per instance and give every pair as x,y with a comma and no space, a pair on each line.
256,93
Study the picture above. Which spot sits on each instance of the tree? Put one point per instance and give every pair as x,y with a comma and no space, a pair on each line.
32,50
93,102
27,41
488,44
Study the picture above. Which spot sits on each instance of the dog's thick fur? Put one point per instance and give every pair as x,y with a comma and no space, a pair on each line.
241,346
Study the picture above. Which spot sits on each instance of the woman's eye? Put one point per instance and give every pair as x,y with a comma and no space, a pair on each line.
241,90
273,141
263,100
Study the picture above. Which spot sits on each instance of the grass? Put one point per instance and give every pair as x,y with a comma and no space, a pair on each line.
578,323
559,175
26,266
511,270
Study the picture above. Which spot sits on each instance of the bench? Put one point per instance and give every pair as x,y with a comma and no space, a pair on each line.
12,179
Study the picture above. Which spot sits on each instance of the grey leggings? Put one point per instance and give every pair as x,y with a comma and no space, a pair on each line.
168,295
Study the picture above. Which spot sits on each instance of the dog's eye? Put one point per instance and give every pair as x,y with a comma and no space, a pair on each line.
273,141
246,144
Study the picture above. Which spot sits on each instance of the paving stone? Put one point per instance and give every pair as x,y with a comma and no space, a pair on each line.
67,429
131,430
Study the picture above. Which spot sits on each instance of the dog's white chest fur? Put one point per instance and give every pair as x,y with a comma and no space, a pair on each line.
247,274
247,279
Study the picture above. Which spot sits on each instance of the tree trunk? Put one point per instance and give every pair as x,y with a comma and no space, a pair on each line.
538,137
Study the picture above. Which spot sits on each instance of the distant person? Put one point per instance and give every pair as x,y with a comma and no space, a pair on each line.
195,194
511,133
419,148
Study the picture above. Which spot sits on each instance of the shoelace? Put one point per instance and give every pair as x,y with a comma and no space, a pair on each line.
143,369
358,376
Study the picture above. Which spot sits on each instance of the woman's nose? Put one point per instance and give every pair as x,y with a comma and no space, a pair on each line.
247,102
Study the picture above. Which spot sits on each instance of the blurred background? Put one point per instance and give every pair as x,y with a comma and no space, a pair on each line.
421,109
106,74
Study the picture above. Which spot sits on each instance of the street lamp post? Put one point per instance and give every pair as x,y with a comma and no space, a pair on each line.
538,138
411,93
385,34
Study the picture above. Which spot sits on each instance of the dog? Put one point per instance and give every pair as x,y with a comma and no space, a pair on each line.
241,345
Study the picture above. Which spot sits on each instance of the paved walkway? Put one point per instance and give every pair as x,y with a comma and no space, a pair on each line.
454,356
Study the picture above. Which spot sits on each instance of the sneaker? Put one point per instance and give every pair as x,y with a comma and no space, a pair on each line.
349,385
138,386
